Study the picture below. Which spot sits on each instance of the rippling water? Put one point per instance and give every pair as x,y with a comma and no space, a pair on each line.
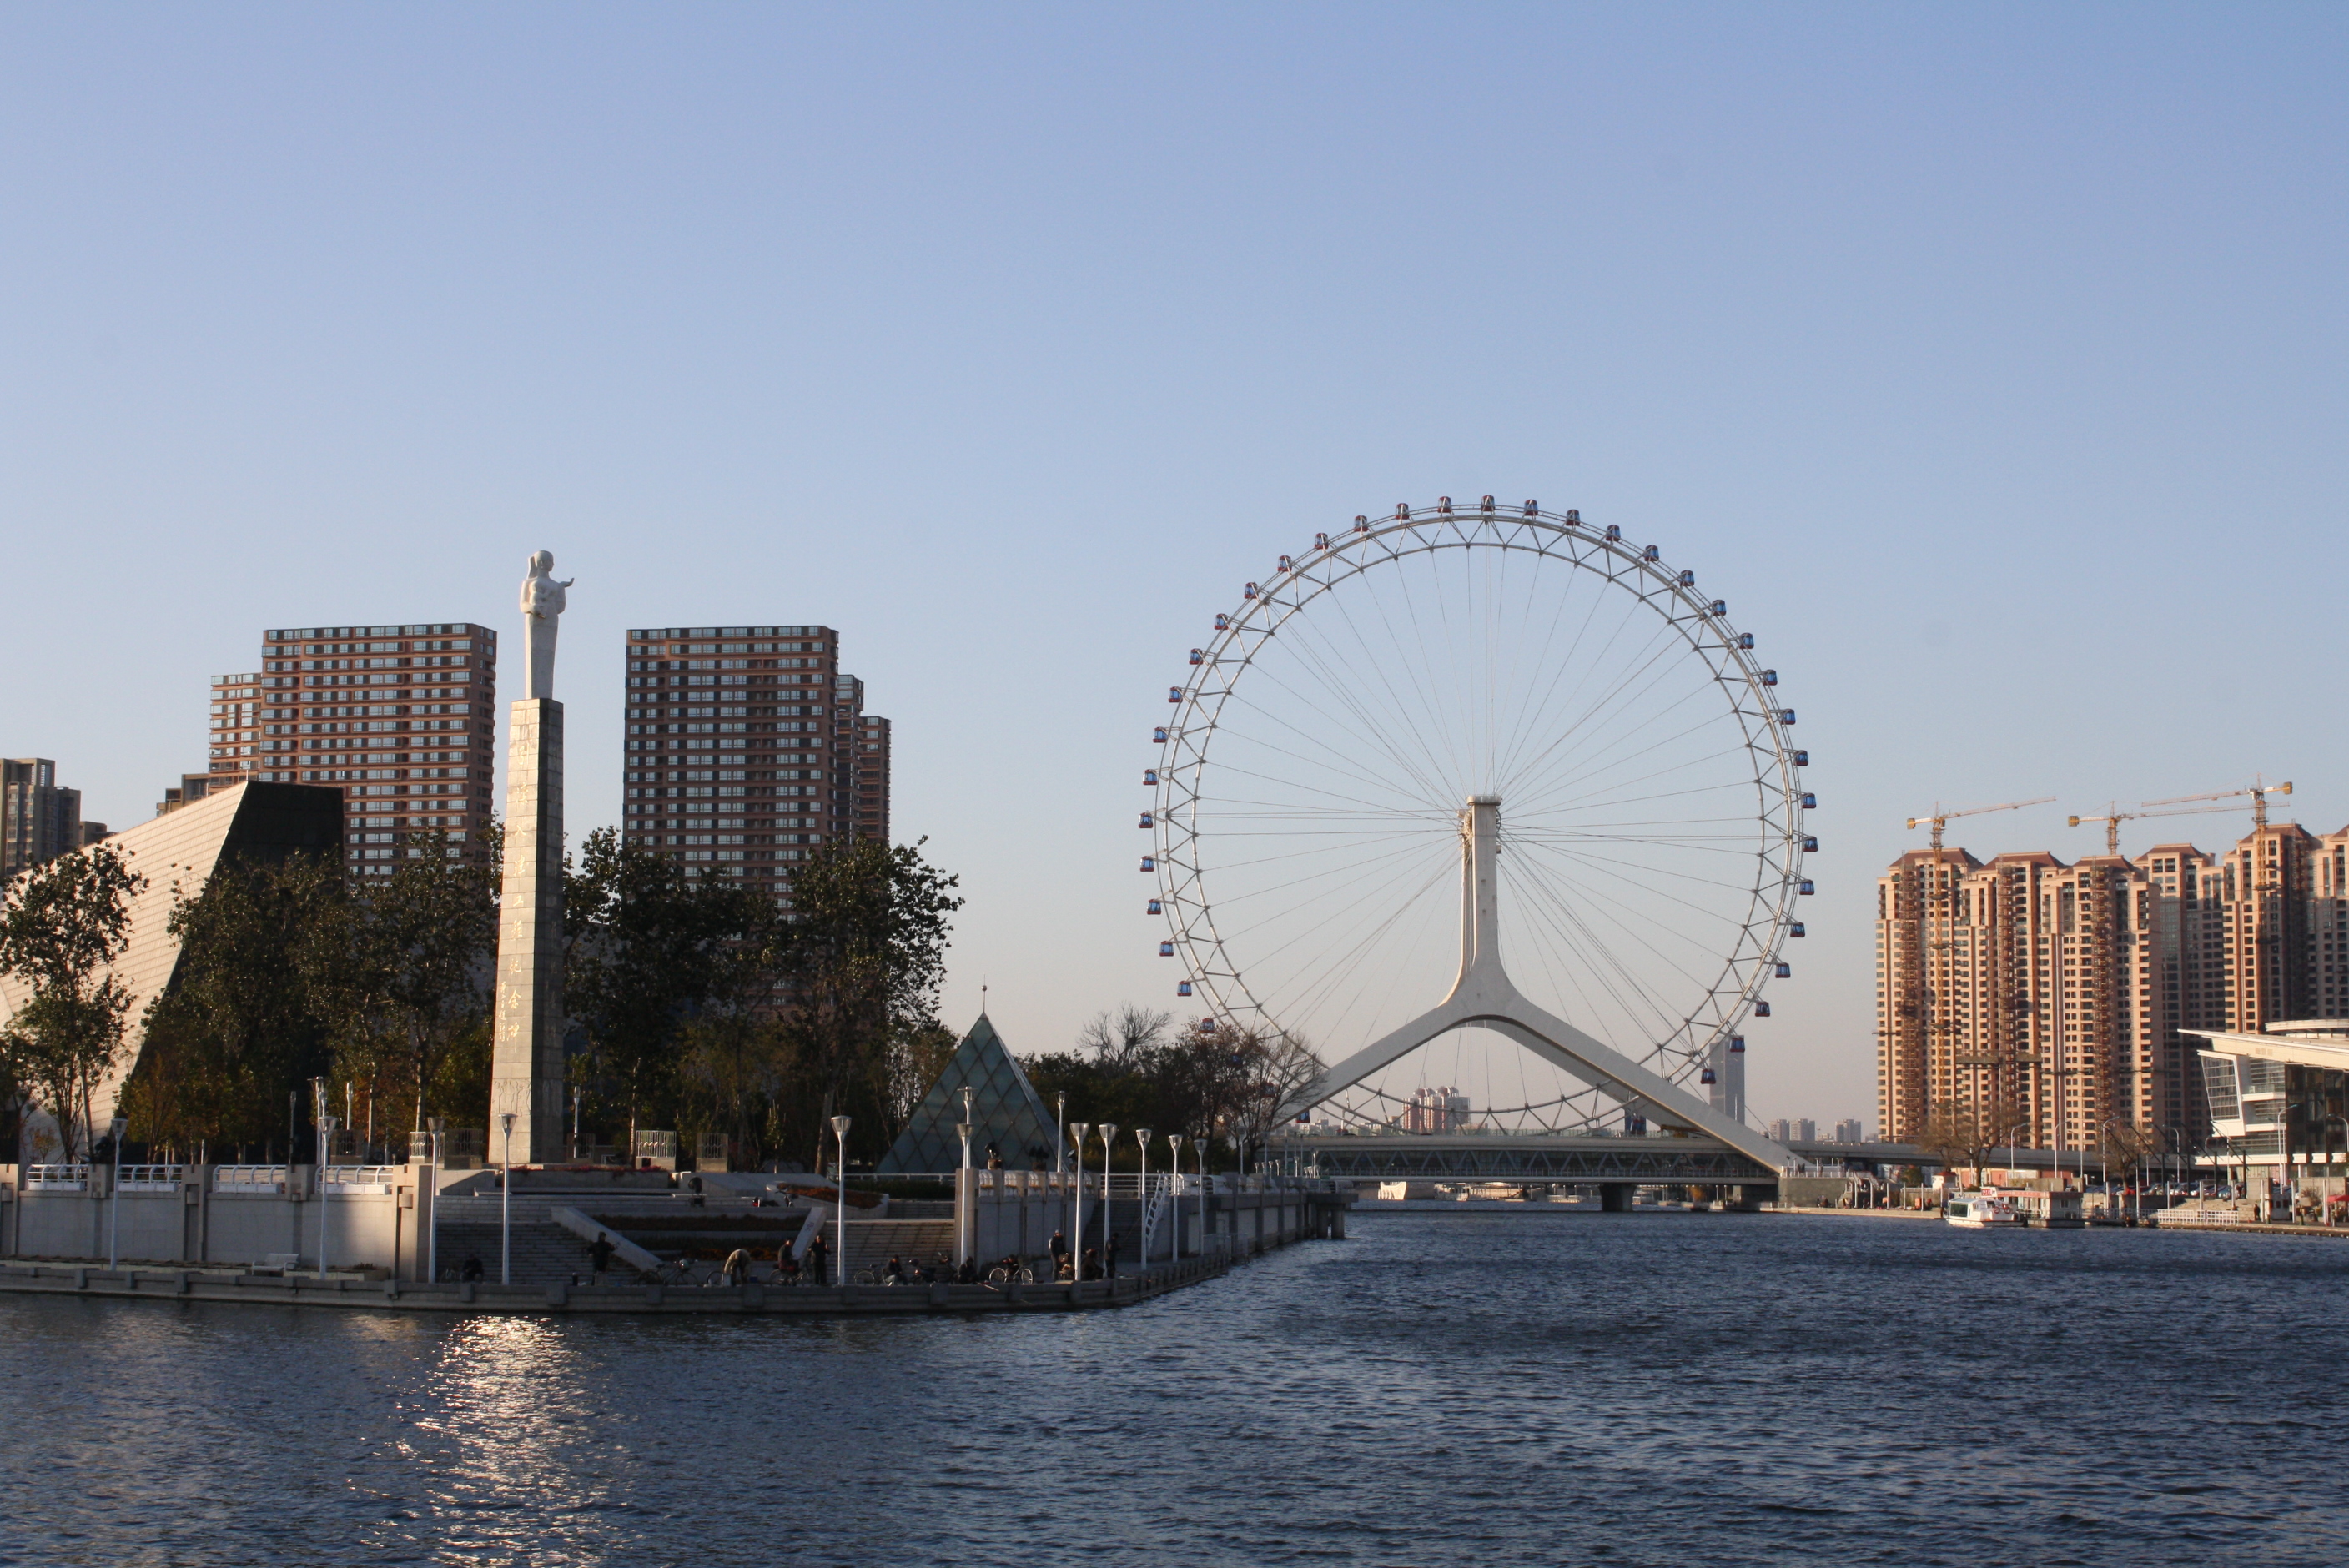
1439,1389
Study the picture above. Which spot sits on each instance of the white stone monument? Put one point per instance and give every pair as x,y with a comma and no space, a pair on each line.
527,1070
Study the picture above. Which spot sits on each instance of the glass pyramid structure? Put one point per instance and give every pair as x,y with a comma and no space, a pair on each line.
1005,1113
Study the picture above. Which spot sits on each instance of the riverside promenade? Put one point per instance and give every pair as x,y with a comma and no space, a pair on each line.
246,1288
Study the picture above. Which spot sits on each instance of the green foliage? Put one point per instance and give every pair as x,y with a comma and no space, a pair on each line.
861,961
405,974
63,923
244,1020
659,968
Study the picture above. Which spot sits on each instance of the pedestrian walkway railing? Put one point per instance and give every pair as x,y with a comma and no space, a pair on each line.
56,1178
249,1180
153,1178
359,1181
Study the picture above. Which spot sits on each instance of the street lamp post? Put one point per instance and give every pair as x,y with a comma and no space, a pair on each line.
432,1237
1202,1141
1060,1133
840,1146
327,1126
574,1125
1175,1196
505,1200
1142,1191
115,1129
1108,1147
1077,1130
965,1203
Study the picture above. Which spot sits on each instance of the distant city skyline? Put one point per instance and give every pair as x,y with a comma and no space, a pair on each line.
1969,352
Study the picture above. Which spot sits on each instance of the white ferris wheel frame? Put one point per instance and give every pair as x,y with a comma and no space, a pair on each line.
1781,838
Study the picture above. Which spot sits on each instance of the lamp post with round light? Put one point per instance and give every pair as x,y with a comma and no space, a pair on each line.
1205,1182
1060,1133
1077,1130
1108,1154
506,1199
840,1146
1142,1135
1175,1196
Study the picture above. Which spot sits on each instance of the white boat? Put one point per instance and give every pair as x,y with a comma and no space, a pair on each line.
1977,1211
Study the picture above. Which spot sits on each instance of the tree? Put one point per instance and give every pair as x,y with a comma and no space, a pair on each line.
244,1020
1206,1082
861,961
648,951
1125,1040
63,923
410,970
1959,1136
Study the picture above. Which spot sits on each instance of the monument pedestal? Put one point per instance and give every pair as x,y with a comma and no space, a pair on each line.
526,1068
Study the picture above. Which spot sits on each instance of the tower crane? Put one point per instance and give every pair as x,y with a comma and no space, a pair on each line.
1940,818
2258,789
2114,817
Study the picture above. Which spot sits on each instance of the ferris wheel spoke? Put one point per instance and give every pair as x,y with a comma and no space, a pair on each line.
1628,920
1293,881
1541,772
1340,969
1368,779
1380,864
1742,788
1424,713
1610,866
1561,781
1526,726
1368,734
1633,1003
1341,673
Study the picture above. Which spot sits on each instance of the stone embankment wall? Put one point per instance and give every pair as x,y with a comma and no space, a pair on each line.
205,1214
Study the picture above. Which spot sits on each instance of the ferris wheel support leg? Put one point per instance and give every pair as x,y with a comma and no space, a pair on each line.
1567,1047
1446,1017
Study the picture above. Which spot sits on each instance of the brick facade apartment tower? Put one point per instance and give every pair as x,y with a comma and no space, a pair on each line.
744,750
400,719
2063,997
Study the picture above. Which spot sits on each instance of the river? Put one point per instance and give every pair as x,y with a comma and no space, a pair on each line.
1490,1390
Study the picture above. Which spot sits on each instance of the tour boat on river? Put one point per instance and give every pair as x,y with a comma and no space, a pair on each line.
1979,1209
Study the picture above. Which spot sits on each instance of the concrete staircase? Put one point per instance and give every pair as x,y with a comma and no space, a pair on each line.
872,1242
543,1251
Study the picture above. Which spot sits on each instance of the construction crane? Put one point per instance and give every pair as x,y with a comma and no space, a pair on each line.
2258,789
1940,818
2114,817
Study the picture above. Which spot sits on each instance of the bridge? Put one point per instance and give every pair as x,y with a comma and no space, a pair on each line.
1662,1159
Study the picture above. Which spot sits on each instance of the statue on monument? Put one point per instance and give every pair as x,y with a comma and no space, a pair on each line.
543,600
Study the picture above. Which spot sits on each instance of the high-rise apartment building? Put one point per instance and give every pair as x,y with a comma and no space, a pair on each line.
39,818
744,750
2051,999
872,779
400,719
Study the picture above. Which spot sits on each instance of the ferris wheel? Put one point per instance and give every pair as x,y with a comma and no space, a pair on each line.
1417,691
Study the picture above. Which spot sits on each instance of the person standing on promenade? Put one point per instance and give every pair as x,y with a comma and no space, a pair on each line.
819,1254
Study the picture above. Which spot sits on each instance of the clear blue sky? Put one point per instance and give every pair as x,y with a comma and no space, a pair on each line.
1990,357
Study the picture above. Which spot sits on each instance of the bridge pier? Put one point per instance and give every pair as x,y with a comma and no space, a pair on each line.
1615,1197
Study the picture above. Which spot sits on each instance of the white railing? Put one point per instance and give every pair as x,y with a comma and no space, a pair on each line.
355,1181
248,1180
153,1178
56,1178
